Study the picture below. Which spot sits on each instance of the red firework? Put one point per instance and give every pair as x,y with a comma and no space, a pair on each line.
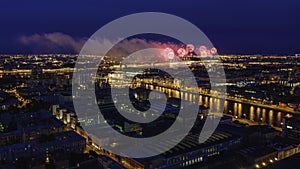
202,49
169,53
181,52
213,50
190,48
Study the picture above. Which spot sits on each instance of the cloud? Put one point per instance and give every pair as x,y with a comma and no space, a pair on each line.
56,42
127,47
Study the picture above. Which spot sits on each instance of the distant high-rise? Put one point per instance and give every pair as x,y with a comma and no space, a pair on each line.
36,72
291,128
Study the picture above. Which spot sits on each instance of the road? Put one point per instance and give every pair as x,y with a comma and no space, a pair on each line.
14,92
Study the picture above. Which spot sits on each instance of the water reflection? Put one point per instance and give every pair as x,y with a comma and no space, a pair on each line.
263,118
252,113
241,110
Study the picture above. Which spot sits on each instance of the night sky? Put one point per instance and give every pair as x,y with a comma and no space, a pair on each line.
233,26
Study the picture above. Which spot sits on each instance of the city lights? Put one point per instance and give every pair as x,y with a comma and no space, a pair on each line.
149,85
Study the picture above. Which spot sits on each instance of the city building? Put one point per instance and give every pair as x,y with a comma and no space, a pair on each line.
291,128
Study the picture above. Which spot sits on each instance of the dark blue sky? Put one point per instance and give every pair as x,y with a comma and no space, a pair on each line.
233,26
